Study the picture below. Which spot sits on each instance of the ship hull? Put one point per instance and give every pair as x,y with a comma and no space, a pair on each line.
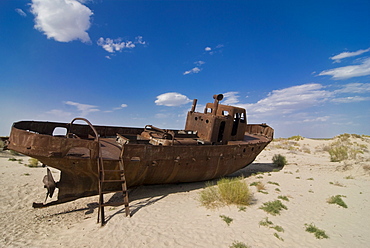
77,158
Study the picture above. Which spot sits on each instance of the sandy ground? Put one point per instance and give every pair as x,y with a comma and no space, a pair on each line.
171,215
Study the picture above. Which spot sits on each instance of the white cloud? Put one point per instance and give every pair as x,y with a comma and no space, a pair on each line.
84,108
21,12
230,98
172,99
354,88
121,107
343,55
117,45
62,20
59,113
214,50
296,98
290,99
199,63
350,99
161,116
191,71
317,119
139,40
349,71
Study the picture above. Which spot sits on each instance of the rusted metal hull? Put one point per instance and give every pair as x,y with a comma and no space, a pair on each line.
76,158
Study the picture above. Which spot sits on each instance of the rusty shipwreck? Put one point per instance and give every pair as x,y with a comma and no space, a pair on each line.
214,143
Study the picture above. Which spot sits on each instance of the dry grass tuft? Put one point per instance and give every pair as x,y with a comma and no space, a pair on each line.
33,162
259,185
227,191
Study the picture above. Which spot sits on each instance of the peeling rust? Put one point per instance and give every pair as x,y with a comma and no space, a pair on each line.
213,144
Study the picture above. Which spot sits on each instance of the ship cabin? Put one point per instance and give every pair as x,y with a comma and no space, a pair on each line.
219,123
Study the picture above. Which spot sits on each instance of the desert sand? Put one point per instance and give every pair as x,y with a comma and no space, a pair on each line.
172,216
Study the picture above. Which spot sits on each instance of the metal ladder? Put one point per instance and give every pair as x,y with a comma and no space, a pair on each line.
102,181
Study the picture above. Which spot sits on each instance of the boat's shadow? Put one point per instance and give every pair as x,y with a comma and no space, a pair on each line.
143,196
256,168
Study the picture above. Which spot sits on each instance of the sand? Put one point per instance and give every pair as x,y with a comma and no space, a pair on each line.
171,215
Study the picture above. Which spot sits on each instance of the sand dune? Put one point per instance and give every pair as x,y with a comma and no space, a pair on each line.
171,215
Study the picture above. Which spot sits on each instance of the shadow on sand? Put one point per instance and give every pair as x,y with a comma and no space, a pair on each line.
146,195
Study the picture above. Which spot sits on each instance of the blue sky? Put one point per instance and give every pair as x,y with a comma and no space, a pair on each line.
303,67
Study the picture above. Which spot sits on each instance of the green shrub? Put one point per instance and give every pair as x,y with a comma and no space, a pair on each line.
337,200
349,177
277,236
274,207
242,208
269,224
266,222
319,234
227,219
279,160
283,197
239,245
278,228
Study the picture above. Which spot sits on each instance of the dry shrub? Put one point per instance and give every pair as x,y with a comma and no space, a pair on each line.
210,197
259,185
296,138
227,191
234,191
343,148
33,162
338,153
